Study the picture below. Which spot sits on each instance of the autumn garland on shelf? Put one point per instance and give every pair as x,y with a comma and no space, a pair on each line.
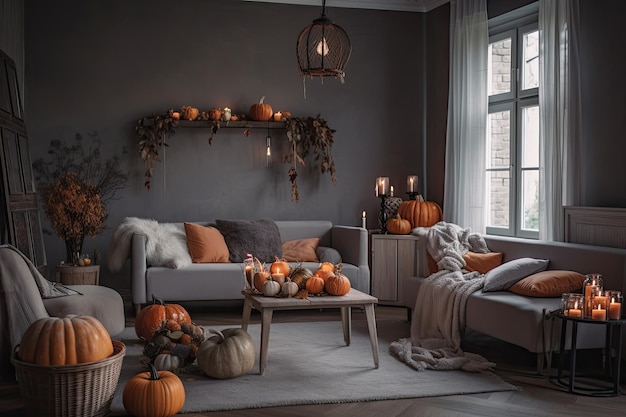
308,136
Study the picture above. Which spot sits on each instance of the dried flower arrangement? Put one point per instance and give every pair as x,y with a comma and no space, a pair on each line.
75,187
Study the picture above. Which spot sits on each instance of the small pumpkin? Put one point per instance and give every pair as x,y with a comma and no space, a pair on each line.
259,279
227,354
151,317
154,394
398,226
315,284
261,111
271,288
65,341
338,284
215,114
327,266
167,362
324,274
420,213
189,113
290,288
280,266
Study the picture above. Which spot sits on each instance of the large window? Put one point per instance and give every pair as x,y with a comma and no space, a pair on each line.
512,162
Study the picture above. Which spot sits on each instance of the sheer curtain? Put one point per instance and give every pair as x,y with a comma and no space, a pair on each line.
464,192
560,128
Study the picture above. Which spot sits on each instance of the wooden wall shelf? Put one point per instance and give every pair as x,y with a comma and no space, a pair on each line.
246,124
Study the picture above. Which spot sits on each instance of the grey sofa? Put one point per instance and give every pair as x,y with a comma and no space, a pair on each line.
224,281
525,321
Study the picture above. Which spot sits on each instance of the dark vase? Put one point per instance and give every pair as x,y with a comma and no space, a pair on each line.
73,249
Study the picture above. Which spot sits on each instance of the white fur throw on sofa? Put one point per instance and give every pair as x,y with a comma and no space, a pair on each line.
166,244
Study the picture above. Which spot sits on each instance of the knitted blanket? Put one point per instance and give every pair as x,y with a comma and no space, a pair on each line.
438,319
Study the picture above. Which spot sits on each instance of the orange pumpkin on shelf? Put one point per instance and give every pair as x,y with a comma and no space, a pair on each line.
189,113
420,213
215,114
261,111
398,226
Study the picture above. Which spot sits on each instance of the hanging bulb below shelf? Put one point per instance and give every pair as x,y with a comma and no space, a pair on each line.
268,152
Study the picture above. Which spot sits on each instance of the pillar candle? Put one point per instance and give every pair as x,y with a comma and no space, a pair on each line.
598,314
574,312
279,277
615,310
363,220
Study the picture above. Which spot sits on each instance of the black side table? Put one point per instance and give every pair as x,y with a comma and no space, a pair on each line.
601,386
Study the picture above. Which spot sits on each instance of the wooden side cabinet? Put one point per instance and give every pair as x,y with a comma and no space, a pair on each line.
394,257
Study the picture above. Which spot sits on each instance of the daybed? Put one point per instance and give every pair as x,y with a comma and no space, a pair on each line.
525,321
225,280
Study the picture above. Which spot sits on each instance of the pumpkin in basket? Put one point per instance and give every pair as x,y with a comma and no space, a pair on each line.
150,317
420,213
154,394
65,341
227,354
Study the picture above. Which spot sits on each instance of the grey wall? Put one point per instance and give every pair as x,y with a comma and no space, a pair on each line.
101,65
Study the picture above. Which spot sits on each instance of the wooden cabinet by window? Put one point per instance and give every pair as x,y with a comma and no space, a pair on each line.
395,257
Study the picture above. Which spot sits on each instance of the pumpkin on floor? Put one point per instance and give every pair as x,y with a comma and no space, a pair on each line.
154,394
151,317
227,354
65,341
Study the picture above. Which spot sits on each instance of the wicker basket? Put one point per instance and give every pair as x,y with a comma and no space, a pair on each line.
81,390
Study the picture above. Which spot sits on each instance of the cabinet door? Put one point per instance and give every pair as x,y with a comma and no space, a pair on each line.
407,259
385,269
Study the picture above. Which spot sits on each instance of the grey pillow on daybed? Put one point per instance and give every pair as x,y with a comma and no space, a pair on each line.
504,276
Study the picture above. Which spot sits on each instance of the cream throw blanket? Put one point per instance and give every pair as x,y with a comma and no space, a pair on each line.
439,315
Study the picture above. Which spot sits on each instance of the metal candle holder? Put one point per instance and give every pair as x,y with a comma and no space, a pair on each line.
383,215
412,195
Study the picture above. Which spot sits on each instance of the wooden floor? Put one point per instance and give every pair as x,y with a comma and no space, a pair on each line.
537,396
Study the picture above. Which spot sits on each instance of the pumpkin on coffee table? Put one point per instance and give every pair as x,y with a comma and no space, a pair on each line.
227,354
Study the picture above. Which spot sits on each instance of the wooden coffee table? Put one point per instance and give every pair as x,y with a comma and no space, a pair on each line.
267,305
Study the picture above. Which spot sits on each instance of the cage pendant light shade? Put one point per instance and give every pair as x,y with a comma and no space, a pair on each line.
323,49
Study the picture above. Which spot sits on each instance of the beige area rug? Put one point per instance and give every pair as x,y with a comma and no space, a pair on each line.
308,363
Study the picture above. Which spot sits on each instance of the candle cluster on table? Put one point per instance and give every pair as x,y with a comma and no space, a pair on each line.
594,303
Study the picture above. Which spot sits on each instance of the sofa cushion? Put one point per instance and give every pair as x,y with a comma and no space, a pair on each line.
301,250
206,244
549,284
482,262
504,276
326,254
260,238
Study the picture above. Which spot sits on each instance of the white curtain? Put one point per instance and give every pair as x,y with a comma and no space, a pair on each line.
464,192
559,115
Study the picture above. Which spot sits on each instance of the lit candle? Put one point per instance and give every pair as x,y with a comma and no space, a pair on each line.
615,309
411,183
363,220
574,312
391,193
598,313
279,277
382,184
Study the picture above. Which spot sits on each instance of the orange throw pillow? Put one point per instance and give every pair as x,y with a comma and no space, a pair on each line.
549,284
206,244
301,250
482,262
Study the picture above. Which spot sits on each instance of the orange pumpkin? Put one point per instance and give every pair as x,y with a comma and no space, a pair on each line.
215,114
420,213
398,226
189,113
154,393
315,284
327,266
261,111
150,318
280,266
339,284
324,274
65,341
259,279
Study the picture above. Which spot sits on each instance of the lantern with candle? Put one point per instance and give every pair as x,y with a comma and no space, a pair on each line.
411,186
382,190
592,286
615,304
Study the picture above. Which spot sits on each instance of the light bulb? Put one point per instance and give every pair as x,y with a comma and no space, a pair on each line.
322,47
268,152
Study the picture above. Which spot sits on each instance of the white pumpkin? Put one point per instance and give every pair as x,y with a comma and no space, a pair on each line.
271,288
227,354
290,288
167,362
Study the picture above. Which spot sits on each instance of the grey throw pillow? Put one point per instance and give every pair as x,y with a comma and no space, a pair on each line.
504,276
261,238
326,254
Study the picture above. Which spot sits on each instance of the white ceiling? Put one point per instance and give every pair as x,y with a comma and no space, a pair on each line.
397,5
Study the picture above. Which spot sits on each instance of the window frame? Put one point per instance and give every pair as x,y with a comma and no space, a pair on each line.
513,25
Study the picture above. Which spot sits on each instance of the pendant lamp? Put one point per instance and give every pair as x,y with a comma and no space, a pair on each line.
323,49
